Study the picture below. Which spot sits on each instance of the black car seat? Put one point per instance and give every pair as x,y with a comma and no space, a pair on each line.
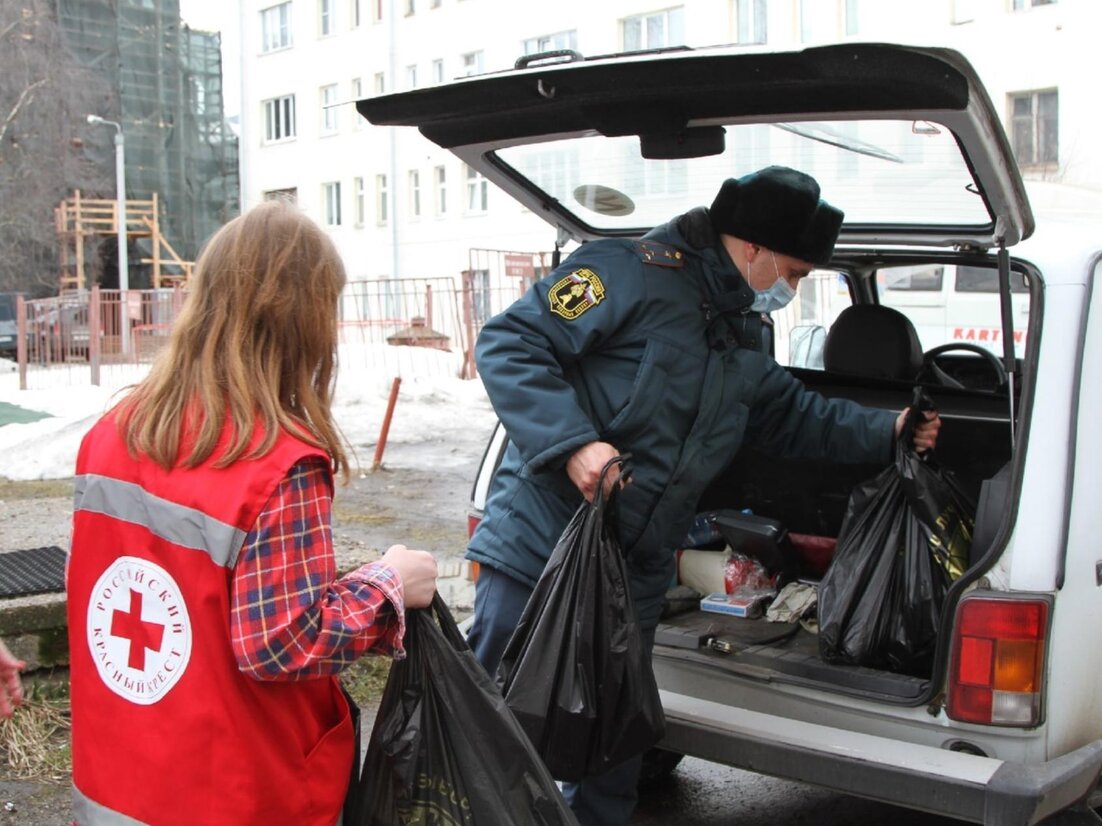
874,341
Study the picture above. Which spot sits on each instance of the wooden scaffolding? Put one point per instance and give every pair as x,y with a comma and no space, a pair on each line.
79,219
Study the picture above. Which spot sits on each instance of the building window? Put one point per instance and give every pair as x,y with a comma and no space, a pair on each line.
354,13
329,109
472,64
1034,127
358,205
1022,5
357,93
481,295
654,31
409,7
818,21
275,28
380,83
376,10
414,193
381,200
851,16
411,76
440,189
290,195
477,191
751,21
331,193
552,42
438,71
327,25
434,4
963,12
279,119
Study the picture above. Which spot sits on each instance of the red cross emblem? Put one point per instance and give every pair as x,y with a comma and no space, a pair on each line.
142,635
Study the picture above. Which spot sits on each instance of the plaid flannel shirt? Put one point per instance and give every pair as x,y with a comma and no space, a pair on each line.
290,617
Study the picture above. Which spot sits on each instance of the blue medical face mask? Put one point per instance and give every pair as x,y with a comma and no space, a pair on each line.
776,297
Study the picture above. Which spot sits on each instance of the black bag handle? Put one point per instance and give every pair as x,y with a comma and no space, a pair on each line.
624,461
916,415
437,613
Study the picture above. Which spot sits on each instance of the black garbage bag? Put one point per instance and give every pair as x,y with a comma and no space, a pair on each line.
445,748
904,539
575,672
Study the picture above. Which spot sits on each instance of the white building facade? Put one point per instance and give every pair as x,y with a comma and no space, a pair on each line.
399,207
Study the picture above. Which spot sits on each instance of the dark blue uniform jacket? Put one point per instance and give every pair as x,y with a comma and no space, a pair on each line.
613,346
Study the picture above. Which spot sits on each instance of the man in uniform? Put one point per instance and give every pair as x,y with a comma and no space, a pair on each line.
653,347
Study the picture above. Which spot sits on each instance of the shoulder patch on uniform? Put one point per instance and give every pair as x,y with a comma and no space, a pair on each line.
573,295
661,255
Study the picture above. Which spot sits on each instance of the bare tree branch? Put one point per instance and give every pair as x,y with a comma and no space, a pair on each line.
25,97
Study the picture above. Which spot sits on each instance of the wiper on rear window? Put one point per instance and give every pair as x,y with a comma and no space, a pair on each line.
824,134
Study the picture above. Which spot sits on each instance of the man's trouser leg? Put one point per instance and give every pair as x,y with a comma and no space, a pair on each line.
607,800
499,601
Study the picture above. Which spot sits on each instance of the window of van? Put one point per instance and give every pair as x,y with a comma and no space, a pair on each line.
963,307
946,303
986,280
799,330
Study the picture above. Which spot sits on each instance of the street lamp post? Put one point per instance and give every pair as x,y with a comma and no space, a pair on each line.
124,265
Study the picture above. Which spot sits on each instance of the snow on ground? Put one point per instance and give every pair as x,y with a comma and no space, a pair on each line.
439,420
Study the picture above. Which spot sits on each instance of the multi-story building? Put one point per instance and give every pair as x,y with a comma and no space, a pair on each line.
398,206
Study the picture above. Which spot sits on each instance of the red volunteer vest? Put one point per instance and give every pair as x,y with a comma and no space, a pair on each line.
165,728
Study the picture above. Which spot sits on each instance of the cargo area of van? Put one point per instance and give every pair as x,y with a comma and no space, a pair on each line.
792,510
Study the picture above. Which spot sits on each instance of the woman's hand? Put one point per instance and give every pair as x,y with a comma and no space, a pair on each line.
417,571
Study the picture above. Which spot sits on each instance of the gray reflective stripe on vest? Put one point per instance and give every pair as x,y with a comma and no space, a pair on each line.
87,812
175,523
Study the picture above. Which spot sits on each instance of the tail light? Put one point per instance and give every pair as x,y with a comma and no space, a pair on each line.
472,522
995,675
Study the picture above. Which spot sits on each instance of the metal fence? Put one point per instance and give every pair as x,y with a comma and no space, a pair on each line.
406,326
81,335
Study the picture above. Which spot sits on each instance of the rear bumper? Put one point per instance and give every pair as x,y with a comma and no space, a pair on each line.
939,781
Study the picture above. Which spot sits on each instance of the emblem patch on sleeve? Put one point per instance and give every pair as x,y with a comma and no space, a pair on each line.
576,293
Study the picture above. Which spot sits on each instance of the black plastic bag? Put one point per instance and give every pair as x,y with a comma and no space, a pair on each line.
575,672
905,538
445,748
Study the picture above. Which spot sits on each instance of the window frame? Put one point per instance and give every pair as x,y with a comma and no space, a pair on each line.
382,200
275,115
752,17
283,28
1040,142
440,190
472,63
327,19
565,39
413,183
331,200
478,191
669,16
359,203
330,120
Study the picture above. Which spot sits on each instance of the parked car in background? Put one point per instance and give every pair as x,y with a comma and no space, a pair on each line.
8,324
1004,726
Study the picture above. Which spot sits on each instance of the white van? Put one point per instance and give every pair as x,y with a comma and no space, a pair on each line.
1005,725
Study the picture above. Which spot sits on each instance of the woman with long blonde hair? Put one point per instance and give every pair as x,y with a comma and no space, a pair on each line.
207,623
